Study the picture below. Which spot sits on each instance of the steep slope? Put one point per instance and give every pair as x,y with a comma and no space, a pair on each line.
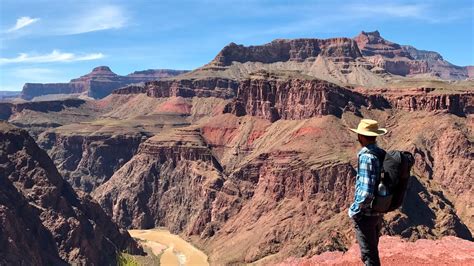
97,84
39,201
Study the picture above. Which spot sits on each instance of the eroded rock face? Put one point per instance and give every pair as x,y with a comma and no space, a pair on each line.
343,49
273,98
9,109
173,171
291,99
23,238
208,87
97,84
422,99
406,60
86,161
76,227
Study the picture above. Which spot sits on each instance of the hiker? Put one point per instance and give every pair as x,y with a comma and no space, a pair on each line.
367,222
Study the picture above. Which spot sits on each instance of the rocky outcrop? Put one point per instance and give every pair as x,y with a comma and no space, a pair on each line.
446,157
8,109
97,84
72,227
341,49
421,99
394,251
208,87
371,43
291,99
37,117
86,161
24,240
31,90
406,60
154,74
131,89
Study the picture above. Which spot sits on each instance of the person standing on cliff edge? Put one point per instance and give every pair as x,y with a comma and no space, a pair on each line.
367,222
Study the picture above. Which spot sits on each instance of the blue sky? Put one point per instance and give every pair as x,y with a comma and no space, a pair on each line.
55,41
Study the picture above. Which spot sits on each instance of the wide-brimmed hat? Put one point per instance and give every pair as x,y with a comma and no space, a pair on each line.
369,127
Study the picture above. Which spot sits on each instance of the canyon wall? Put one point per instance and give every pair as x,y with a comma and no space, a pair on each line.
72,227
87,161
344,49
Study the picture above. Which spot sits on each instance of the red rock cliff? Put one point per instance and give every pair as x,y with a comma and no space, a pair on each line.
341,49
292,99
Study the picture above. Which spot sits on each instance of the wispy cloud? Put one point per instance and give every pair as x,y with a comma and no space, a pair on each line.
22,22
100,18
54,56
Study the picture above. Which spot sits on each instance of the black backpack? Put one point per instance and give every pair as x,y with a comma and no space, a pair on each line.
394,176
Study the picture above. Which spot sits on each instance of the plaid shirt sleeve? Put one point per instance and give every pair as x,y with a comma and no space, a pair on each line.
367,177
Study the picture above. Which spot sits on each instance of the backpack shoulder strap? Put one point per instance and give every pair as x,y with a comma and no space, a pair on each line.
381,157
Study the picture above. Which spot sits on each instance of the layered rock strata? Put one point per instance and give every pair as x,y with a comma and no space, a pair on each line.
208,87
87,161
72,227
97,84
406,60
341,49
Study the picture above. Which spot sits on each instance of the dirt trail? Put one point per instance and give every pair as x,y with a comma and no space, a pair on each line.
173,249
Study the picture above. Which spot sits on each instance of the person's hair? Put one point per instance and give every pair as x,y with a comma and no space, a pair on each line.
370,138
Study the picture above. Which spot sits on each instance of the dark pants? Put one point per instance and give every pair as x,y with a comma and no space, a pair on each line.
367,233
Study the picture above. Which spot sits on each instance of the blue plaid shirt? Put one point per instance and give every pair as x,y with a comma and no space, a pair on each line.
367,174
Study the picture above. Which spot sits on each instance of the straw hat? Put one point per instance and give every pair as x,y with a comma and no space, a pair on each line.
369,127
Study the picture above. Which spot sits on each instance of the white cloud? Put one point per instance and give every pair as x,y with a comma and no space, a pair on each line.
100,18
54,56
23,22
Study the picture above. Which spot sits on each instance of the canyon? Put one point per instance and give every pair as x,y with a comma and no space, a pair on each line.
249,157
